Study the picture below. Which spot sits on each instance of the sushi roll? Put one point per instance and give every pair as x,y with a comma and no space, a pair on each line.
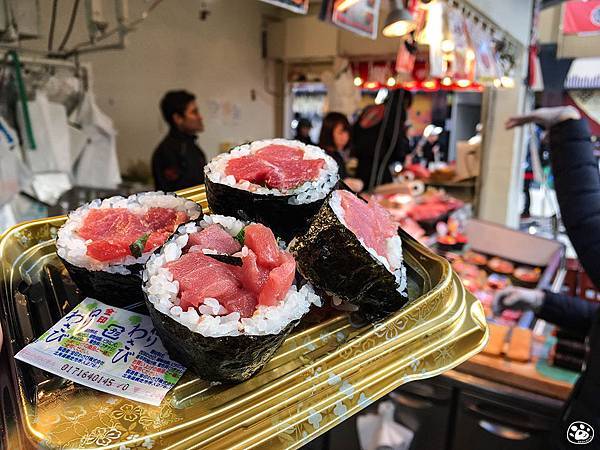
223,297
353,252
279,183
104,243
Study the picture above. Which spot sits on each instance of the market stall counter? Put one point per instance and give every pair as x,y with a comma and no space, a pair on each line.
329,368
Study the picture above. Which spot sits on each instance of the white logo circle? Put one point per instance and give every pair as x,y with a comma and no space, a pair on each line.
580,433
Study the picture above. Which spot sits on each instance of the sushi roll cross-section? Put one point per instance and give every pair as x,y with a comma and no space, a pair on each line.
223,296
278,182
353,252
104,243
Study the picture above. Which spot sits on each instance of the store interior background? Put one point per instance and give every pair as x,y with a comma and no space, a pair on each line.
236,59
236,56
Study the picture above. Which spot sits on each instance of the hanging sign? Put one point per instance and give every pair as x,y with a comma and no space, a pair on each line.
360,17
581,17
297,6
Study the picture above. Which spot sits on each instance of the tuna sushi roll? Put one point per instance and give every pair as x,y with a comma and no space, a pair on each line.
353,252
278,182
104,243
223,296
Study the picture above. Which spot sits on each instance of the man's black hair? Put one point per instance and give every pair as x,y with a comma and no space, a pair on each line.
175,102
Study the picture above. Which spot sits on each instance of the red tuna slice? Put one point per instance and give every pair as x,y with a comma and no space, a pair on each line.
279,281
252,275
250,168
111,223
261,241
160,218
190,298
164,219
214,237
200,273
277,152
107,251
370,222
156,239
293,173
241,301
275,166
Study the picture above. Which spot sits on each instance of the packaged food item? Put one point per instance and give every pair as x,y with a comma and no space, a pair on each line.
108,349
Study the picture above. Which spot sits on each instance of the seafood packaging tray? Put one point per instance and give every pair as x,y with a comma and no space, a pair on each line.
327,370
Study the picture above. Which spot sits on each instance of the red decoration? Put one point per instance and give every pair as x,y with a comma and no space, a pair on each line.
581,17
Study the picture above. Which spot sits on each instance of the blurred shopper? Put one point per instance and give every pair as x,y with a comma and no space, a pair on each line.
178,162
303,131
335,140
577,183
379,138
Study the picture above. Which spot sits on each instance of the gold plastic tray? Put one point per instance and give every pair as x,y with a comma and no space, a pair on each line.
323,373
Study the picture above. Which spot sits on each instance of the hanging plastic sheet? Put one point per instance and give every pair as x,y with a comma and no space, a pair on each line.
486,70
433,35
463,56
378,431
51,133
97,165
10,163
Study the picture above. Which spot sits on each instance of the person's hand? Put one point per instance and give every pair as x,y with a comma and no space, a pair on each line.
518,299
547,117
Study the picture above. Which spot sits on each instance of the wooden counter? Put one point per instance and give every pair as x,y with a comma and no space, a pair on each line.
520,375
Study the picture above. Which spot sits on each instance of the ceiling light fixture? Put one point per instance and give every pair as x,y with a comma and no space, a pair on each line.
399,21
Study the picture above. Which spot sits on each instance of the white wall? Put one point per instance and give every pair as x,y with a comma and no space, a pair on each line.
217,59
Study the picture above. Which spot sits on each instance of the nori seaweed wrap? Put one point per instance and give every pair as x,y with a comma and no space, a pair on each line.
105,243
278,182
222,320
352,252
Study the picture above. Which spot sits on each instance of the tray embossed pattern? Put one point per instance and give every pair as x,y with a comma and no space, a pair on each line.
327,370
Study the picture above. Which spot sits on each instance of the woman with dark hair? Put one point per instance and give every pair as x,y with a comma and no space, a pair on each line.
335,140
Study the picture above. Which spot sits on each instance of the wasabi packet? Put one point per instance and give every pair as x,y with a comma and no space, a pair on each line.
108,349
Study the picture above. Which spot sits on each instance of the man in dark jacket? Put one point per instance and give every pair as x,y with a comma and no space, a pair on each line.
577,183
379,138
178,162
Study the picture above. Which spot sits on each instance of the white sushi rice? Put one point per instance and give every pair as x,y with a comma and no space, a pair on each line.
308,192
393,261
211,319
73,248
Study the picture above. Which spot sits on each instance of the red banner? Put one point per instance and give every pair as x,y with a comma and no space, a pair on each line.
581,17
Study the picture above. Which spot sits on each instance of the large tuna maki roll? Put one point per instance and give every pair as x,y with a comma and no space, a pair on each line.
352,251
278,182
223,296
104,243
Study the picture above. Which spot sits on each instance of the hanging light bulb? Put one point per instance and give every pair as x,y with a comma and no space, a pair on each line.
358,81
429,84
447,81
497,83
391,81
507,82
463,83
447,46
399,21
